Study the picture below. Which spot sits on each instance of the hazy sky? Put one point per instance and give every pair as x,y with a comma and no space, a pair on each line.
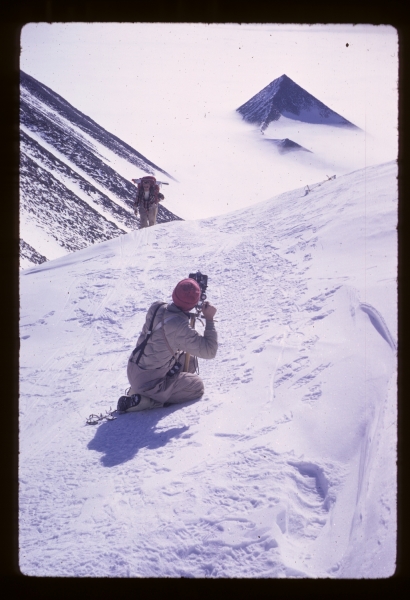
123,75
171,90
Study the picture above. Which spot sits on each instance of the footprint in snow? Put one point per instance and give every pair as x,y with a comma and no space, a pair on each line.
308,344
307,378
322,316
314,393
288,371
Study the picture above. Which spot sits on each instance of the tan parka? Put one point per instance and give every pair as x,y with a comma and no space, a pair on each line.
172,335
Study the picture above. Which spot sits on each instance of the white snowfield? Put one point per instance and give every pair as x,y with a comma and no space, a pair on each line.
287,466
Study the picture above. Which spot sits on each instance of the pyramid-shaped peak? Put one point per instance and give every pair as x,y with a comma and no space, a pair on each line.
285,98
283,77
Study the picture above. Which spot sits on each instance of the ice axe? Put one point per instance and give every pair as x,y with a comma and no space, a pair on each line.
158,182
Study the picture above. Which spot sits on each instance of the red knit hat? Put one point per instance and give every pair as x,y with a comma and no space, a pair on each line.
186,294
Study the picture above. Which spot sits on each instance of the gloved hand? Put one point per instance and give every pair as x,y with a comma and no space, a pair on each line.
208,311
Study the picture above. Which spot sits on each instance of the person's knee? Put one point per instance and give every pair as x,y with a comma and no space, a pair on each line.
199,388
189,387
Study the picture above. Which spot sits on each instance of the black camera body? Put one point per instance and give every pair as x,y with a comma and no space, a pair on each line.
202,281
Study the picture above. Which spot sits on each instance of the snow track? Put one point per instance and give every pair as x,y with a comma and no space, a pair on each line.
269,474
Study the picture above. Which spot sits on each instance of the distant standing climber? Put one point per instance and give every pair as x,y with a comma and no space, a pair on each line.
146,201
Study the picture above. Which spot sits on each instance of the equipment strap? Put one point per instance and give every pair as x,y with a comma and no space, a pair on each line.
141,347
151,330
161,324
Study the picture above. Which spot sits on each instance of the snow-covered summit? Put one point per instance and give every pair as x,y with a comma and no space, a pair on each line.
285,98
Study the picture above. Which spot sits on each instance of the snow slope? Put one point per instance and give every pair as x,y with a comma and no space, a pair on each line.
286,467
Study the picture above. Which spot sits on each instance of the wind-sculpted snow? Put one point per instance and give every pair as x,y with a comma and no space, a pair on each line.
286,466
379,323
65,150
285,98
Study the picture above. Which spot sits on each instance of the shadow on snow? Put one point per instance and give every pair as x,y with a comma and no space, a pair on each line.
120,440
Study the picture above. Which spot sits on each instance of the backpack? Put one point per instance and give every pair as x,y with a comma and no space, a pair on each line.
154,195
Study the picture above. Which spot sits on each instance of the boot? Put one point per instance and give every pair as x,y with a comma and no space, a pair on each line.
136,402
126,403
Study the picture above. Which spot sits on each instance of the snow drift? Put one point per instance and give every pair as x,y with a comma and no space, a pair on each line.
286,467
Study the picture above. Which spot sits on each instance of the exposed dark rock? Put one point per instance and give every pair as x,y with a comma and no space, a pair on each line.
66,110
59,212
287,145
284,97
68,191
28,252
47,160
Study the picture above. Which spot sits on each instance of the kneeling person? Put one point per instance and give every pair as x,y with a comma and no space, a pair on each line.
154,367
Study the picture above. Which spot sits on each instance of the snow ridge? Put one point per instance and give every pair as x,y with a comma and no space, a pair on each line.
378,323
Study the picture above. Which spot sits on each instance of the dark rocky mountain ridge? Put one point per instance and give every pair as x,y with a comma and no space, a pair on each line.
61,107
70,196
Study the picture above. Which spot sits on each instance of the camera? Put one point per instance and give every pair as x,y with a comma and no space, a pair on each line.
202,281
175,370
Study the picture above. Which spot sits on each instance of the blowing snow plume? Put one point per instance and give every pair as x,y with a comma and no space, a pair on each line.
285,98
